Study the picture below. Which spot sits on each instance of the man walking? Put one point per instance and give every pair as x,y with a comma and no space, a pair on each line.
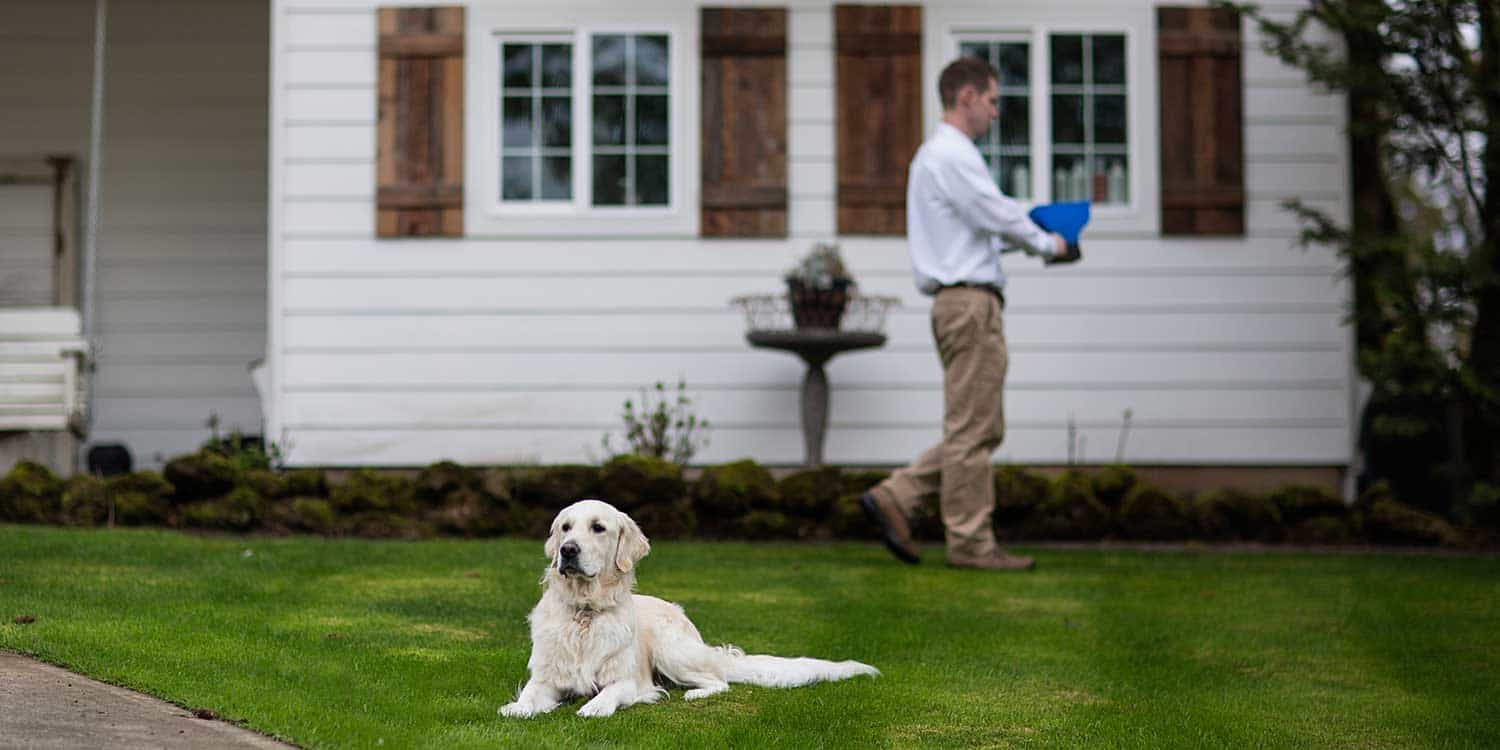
957,224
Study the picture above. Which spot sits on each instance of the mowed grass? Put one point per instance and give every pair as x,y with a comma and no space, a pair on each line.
360,644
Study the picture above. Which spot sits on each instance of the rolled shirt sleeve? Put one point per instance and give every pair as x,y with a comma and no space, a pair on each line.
981,205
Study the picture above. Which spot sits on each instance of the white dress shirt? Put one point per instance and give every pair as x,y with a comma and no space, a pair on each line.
957,220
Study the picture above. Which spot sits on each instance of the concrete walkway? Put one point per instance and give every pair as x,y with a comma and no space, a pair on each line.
42,706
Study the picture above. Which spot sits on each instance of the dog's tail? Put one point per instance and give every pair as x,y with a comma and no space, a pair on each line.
783,672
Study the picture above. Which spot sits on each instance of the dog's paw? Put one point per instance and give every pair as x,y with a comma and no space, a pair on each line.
697,693
596,710
516,711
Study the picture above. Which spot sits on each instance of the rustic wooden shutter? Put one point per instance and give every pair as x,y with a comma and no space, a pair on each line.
744,122
1202,140
879,113
420,136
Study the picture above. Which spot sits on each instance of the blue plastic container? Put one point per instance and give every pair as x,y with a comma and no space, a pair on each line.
1067,219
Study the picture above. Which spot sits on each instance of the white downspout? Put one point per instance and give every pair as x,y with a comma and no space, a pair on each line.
91,216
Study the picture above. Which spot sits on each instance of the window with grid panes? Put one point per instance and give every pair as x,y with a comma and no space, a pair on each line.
1089,138
1006,146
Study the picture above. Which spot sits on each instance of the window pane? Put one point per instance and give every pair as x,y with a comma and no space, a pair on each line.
1111,179
1109,118
557,65
609,120
1070,178
517,66
651,63
974,49
515,178
557,178
609,60
1015,121
1067,118
651,180
651,120
557,121
1015,65
1109,59
1067,58
517,131
609,180
1015,177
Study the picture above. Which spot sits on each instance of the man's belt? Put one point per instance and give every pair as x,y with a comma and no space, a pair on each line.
991,288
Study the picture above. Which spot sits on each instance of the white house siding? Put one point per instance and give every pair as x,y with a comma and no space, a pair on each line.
181,265
500,348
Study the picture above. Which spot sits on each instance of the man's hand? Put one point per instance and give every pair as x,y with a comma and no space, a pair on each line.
1068,252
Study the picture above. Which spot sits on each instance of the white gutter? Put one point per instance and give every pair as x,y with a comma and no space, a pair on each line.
91,216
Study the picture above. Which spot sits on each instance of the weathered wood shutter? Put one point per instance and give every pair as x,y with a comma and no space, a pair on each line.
879,113
1202,138
744,122
420,136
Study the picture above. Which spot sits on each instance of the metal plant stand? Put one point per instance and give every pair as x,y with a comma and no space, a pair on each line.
769,319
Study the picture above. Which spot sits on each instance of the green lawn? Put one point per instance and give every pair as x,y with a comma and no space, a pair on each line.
351,643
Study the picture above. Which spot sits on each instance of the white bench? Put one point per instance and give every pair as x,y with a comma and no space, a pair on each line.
42,378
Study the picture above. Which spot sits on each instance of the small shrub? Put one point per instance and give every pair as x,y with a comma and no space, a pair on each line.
1298,503
1149,512
382,525
552,488
848,521
1225,514
1321,530
30,493
767,524
667,520
1480,509
246,452
633,482
1070,512
1018,492
811,493
143,498
266,483
367,491
314,514
85,502
435,483
467,511
662,427
306,483
1390,522
239,510
1112,483
726,492
201,475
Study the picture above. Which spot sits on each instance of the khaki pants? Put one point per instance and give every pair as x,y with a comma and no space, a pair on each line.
970,337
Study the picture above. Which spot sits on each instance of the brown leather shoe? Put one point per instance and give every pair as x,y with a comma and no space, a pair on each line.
999,561
894,530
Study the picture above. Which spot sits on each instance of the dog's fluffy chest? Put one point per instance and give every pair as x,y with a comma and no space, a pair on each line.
580,650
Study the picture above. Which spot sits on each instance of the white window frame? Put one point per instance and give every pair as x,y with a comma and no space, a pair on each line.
485,214
949,26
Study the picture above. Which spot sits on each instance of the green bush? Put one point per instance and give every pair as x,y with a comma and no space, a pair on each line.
268,484
1149,512
667,520
467,511
768,524
143,498
1112,483
1390,522
552,488
1298,503
1070,512
380,524
201,475
313,514
1480,509
85,501
30,493
848,521
306,483
435,483
1321,530
239,510
366,491
811,493
726,492
1018,492
1228,514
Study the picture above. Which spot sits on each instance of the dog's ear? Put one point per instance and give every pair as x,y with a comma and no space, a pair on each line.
554,540
632,546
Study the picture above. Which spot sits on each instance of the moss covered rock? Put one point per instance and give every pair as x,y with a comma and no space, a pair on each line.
436,482
201,475
731,490
552,488
662,520
366,491
1151,513
238,510
467,511
1390,522
1112,483
768,524
143,498
811,493
311,514
85,501
1298,503
1070,512
1018,492
30,493
1231,514
306,483
269,484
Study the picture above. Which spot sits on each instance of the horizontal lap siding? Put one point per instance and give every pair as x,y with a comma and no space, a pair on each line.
1227,350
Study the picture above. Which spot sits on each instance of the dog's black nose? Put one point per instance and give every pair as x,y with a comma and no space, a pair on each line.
570,550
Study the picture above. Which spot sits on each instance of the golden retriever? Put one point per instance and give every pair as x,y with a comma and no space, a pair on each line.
592,637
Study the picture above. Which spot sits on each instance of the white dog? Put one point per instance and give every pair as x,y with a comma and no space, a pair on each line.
591,637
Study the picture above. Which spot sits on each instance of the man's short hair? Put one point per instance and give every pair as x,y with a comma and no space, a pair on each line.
965,71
